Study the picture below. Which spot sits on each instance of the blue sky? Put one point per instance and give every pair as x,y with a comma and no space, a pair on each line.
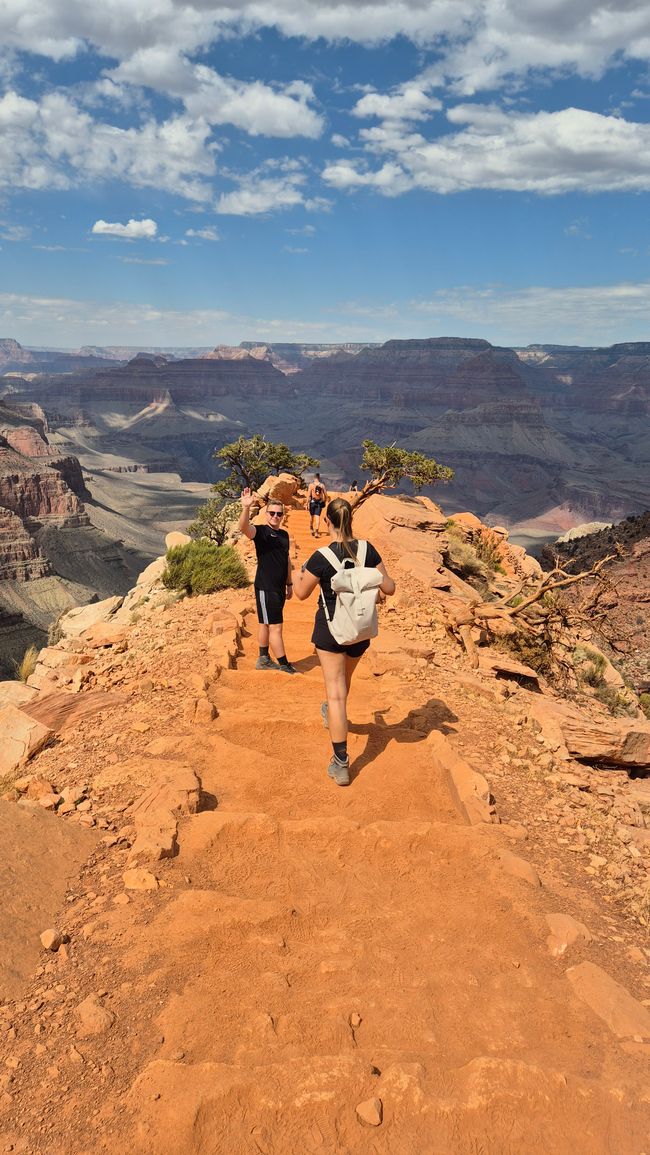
189,174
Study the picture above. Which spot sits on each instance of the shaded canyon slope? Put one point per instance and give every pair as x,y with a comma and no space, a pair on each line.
51,555
541,439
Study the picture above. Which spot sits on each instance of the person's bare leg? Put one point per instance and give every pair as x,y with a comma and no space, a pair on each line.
336,692
263,636
276,641
350,666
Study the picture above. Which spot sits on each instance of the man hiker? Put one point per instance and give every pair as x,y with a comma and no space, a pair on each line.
272,580
317,498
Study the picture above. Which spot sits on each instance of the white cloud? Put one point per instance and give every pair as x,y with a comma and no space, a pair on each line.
481,42
542,152
293,249
259,192
339,141
207,234
15,233
253,107
403,104
305,231
133,230
55,144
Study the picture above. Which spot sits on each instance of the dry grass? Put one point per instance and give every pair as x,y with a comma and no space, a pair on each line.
27,664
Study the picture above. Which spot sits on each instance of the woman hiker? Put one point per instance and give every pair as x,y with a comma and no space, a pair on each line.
338,662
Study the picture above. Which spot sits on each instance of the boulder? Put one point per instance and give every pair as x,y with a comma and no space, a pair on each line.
156,812
93,1018
72,624
565,931
469,789
519,868
21,736
176,538
625,1017
151,575
593,738
283,488
62,709
15,693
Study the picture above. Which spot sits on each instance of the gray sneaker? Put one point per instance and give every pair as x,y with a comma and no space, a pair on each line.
339,771
264,662
324,713
286,668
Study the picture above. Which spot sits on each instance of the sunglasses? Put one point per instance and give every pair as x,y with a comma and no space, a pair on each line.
274,513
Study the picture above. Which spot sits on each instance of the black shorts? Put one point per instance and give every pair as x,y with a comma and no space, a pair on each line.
316,508
323,640
270,604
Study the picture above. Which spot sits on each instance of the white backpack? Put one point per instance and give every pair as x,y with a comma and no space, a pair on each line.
356,586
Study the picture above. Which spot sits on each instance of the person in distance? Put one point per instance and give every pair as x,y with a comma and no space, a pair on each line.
272,580
317,497
338,661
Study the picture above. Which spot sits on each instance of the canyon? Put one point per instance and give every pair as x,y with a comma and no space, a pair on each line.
114,452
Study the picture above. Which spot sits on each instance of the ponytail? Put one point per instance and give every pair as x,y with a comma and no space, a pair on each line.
339,514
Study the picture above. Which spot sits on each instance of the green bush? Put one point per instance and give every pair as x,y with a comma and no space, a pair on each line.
200,567
616,701
644,702
591,665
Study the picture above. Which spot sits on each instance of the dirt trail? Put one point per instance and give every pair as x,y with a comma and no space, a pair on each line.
314,948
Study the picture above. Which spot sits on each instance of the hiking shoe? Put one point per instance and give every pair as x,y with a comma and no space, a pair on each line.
339,771
324,713
287,668
264,662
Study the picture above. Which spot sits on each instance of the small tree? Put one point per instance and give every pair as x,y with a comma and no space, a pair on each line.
249,461
388,465
213,519
199,567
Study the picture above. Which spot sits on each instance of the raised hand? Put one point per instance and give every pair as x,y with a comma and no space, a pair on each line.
247,499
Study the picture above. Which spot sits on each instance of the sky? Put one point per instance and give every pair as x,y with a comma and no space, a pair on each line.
186,174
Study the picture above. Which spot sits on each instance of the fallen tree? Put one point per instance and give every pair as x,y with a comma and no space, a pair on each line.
527,609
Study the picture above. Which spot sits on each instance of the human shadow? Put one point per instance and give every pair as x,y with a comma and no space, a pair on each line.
414,727
305,664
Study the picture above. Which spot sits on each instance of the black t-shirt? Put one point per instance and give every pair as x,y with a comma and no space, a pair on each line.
321,568
272,548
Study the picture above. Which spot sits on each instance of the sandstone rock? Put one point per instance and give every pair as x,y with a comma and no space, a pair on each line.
595,739
152,574
52,939
72,624
492,662
205,712
34,786
139,880
371,1112
469,789
104,634
176,538
49,801
624,1016
155,814
94,1019
565,931
519,868
22,737
283,488
62,710
15,693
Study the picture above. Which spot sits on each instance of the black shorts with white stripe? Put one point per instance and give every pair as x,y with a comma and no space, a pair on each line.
270,604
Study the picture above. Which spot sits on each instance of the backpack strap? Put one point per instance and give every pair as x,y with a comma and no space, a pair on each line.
362,550
331,557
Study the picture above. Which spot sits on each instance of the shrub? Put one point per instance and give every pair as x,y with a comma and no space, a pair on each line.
616,701
27,664
644,702
200,567
488,548
462,559
591,665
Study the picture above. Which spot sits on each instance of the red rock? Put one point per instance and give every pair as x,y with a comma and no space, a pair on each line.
371,1112
624,1016
94,1019
565,931
519,868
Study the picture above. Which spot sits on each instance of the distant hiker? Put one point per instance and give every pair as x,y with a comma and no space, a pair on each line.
354,488
272,580
356,570
316,496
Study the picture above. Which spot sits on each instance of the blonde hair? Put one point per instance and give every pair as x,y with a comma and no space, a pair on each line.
339,514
